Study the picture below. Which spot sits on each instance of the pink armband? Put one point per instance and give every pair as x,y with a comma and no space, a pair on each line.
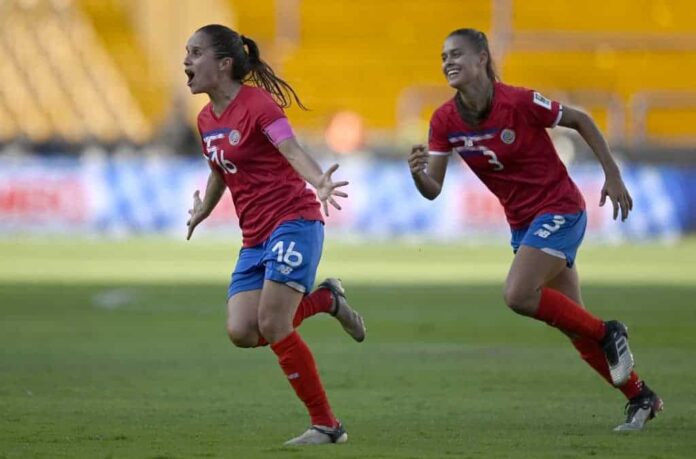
278,131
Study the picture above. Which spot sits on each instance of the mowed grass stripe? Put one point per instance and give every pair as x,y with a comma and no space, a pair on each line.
171,261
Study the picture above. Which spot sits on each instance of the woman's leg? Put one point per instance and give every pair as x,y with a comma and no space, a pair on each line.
330,298
643,403
531,269
242,318
277,307
568,283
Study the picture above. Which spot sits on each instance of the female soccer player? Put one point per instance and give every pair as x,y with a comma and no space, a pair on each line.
500,132
251,149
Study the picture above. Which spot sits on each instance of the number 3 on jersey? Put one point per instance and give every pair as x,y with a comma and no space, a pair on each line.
288,256
493,159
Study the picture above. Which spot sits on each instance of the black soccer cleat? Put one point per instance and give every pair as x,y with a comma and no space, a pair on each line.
617,352
639,410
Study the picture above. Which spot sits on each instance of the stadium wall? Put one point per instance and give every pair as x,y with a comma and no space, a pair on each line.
136,195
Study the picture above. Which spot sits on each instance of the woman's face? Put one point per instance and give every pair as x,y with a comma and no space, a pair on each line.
203,69
461,64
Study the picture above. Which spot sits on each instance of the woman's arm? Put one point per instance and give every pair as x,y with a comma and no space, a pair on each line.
202,208
428,171
309,169
614,186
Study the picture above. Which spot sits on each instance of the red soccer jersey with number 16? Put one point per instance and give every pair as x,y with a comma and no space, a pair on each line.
511,152
266,190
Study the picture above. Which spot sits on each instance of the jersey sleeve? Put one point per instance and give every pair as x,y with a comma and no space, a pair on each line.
539,110
438,143
267,111
271,120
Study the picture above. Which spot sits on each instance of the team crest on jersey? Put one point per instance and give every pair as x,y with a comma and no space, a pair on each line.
234,137
507,136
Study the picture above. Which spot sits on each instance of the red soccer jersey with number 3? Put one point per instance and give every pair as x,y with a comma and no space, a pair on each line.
511,152
266,190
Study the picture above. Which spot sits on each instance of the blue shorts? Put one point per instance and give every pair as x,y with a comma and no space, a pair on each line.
290,256
557,235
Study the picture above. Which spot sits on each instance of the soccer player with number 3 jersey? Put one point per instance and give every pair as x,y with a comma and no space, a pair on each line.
500,132
252,150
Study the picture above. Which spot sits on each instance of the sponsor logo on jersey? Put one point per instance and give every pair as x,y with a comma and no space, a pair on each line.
542,101
234,137
507,136
469,140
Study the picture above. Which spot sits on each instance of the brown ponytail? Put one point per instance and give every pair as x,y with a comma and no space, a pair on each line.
261,74
248,65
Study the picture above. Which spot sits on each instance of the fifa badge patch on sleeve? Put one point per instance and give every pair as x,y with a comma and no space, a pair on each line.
542,101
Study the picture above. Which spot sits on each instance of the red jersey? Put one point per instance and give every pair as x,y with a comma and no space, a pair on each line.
266,190
511,152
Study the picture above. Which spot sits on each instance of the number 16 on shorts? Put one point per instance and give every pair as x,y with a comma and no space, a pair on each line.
287,255
549,228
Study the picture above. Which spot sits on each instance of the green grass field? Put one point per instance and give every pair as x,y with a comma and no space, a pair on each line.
117,349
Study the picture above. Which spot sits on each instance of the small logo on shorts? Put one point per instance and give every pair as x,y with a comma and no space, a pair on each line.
285,269
234,137
507,136
548,229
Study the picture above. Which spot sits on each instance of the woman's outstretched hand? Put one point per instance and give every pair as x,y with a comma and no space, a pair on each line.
327,189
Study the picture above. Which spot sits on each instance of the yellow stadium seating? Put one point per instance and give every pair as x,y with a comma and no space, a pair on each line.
63,84
256,18
361,55
110,69
615,16
623,47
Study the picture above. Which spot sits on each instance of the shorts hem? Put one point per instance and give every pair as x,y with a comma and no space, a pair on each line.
554,252
296,286
293,284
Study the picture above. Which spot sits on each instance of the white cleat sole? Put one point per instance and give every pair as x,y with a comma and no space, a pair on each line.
313,437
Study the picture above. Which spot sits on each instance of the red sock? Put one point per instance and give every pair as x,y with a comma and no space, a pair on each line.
297,363
561,312
592,354
633,387
320,300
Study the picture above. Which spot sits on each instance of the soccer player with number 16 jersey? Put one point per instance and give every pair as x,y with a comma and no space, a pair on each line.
251,149
500,132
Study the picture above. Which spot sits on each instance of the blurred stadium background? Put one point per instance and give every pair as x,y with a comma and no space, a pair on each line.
112,341
95,106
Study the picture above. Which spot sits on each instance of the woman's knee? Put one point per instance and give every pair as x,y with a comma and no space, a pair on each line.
242,336
520,299
273,326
